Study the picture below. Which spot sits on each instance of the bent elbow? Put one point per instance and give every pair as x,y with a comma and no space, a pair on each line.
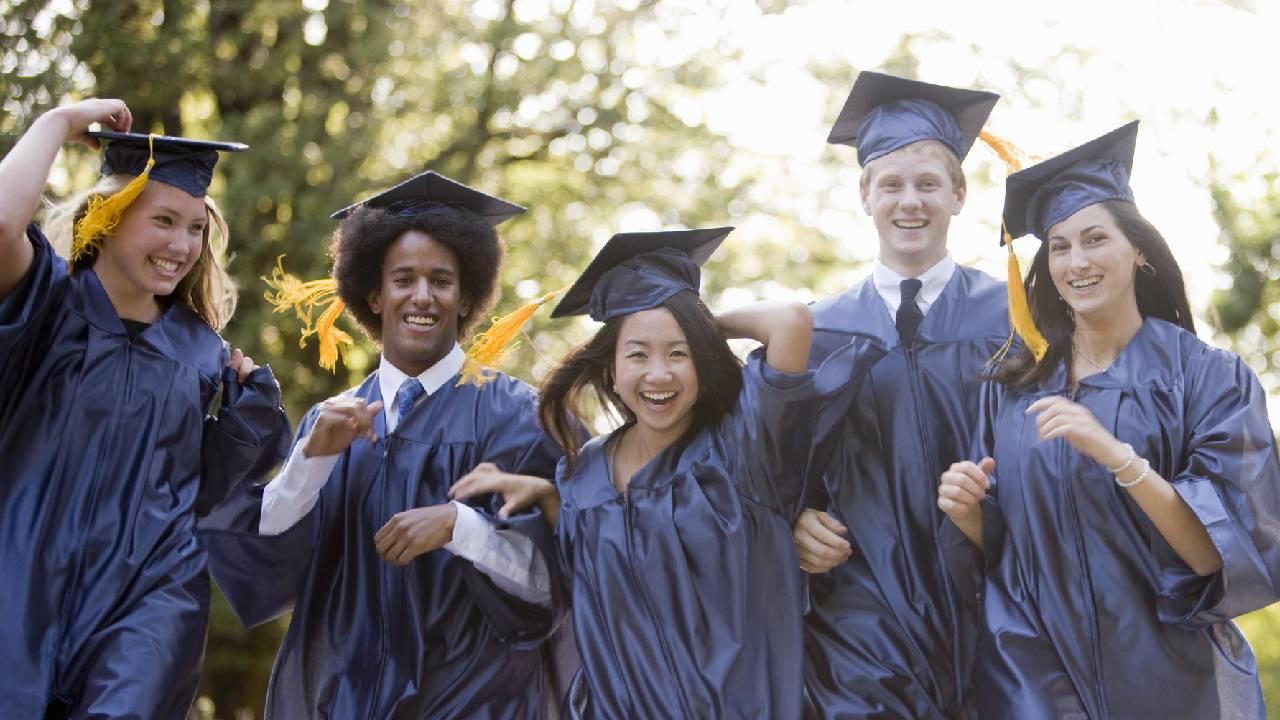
799,314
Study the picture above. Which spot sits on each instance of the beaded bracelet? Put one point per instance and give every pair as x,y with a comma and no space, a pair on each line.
1127,463
1146,468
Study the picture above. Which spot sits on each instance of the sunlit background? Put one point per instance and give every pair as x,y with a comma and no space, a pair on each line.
611,115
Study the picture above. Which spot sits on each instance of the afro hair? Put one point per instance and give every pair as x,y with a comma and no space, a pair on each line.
361,241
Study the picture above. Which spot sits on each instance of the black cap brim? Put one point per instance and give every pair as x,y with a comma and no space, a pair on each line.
1020,187
428,188
171,141
698,244
971,108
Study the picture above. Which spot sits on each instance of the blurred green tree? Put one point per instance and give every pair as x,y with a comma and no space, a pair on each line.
1247,311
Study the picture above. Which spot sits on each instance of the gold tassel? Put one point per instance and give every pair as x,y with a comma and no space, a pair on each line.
1019,310
1013,157
1020,321
303,298
332,338
103,215
495,344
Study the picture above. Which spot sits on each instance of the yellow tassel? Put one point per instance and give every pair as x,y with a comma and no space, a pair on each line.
494,345
103,215
332,338
1020,321
303,298
1013,157
1019,311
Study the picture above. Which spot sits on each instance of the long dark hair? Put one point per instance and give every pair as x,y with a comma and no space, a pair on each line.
1161,294
587,371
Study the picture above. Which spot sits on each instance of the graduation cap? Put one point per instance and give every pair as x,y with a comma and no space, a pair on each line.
1047,193
430,189
640,271
885,112
184,163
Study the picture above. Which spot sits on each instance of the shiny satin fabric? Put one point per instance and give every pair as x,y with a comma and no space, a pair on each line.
107,457
368,639
884,633
1086,610
686,589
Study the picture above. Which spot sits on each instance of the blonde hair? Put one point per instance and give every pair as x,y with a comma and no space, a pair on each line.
938,148
207,288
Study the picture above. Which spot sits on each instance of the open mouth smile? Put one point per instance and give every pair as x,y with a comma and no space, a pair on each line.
658,399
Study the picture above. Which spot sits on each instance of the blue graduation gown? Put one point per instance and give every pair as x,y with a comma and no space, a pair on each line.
1086,611
883,634
368,639
686,591
107,457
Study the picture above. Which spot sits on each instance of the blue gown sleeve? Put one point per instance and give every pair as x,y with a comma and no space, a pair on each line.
965,562
521,447
247,438
259,575
1230,479
40,287
776,420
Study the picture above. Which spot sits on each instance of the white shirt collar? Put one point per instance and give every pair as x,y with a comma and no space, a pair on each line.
390,378
932,282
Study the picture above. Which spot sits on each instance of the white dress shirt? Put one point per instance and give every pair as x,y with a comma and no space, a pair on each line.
508,558
932,282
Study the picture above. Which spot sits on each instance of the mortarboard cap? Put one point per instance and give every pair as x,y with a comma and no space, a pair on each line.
1049,192
181,162
640,271
431,189
884,113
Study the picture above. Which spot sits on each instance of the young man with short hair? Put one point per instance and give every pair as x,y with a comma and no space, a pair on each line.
884,637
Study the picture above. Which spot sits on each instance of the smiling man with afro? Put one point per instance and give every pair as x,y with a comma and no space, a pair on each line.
405,603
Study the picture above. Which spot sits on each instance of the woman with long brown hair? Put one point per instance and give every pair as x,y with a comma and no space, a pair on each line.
1127,496
110,364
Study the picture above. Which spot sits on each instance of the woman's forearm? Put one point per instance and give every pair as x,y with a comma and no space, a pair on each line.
1173,519
785,329
23,173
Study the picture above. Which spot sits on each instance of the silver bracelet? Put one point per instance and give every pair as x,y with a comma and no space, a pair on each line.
1126,464
1146,468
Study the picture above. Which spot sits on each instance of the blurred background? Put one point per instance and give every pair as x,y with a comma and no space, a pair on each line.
611,115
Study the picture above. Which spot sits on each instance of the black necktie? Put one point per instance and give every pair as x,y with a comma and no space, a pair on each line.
909,315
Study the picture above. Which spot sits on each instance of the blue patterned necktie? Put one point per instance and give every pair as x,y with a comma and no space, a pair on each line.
408,394
909,315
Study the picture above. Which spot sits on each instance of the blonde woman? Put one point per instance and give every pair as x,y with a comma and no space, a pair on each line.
109,367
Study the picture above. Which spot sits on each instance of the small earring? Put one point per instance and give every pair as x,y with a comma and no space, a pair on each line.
1148,268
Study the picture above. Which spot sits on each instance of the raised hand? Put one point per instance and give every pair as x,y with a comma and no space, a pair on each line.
25,168
819,542
415,532
1058,417
518,491
341,421
110,113
960,492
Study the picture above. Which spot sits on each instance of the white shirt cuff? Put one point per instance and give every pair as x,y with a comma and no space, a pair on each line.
294,492
507,557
